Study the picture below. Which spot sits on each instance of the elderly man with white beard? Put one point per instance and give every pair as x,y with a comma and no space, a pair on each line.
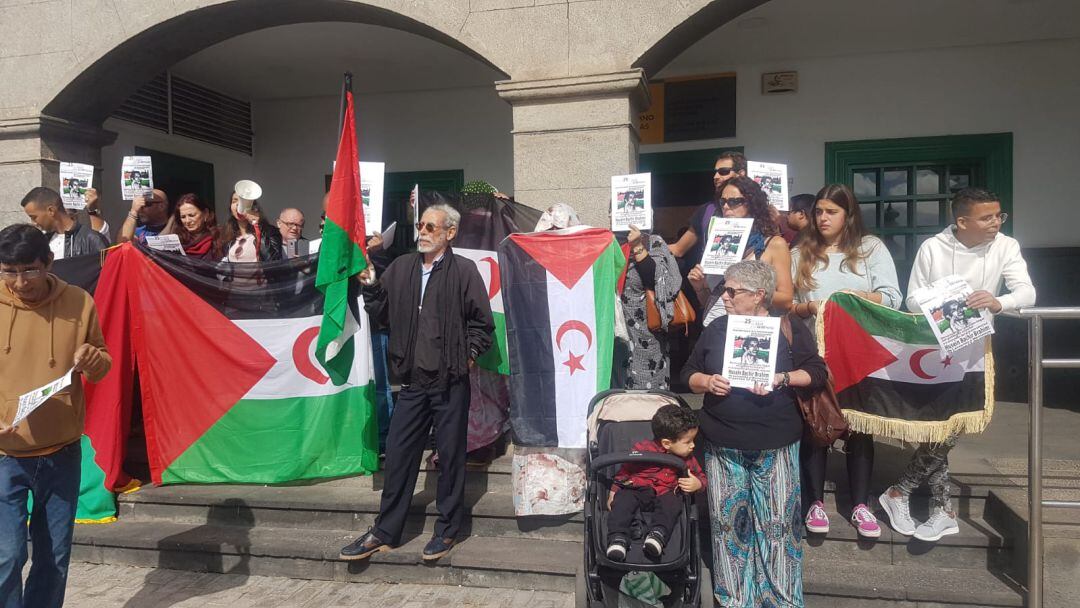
436,308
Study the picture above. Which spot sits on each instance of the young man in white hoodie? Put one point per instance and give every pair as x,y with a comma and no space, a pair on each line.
974,249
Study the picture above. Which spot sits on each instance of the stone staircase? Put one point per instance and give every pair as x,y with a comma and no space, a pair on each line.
296,531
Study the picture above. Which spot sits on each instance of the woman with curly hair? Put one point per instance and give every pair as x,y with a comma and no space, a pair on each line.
838,254
742,197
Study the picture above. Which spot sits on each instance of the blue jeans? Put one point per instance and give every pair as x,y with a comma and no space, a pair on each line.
384,399
54,482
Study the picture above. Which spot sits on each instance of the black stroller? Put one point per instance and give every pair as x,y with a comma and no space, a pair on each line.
617,420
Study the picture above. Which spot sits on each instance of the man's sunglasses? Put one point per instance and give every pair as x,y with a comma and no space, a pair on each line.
429,226
723,171
737,201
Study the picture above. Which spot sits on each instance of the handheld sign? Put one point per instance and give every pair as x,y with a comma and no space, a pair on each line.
956,325
750,348
726,243
75,180
773,179
166,242
136,177
631,202
33,399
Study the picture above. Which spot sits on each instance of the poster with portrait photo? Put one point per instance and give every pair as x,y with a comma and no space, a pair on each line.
136,177
750,348
631,202
726,243
956,325
75,180
773,179
372,179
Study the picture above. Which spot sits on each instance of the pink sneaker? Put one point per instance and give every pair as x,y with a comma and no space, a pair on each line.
865,522
817,521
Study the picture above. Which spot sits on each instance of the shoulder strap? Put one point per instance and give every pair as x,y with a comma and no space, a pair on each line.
785,328
706,217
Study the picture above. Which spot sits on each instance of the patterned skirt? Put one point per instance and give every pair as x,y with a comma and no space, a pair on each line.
756,528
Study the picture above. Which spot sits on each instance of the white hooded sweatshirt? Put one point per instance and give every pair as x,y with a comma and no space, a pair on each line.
984,267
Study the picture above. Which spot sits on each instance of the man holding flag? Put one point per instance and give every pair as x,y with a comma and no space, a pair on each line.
436,307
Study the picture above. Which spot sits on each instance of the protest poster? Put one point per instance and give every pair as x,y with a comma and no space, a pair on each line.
372,176
772,177
631,202
166,242
726,243
33,399
75,180
136,177
955,324
750,350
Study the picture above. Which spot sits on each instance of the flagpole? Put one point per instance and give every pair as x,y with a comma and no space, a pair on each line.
346,87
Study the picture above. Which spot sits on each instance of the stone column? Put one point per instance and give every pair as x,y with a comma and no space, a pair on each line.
571,135
31,149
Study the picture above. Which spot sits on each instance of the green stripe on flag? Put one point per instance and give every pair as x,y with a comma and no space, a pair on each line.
496,359
97,505
276,440
606,271
340,258
879,320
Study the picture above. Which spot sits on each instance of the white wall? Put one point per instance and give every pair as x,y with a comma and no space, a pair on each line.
228,165
1027,88
296,141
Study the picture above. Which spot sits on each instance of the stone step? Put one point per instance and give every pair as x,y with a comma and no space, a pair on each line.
335,506
832,584
513,563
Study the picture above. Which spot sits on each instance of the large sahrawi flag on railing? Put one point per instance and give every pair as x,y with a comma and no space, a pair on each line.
231,389
559,292
890,376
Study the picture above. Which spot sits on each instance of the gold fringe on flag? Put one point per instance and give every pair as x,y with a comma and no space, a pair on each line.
920,431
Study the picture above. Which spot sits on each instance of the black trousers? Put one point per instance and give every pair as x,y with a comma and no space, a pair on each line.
860,466
629,501
410,425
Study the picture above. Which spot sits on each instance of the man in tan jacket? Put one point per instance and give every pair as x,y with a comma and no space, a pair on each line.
47,328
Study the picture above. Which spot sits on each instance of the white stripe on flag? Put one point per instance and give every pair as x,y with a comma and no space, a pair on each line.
572,313
487,262
921,364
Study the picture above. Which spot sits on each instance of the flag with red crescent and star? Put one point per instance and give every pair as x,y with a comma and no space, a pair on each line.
232,391
559,291
892,379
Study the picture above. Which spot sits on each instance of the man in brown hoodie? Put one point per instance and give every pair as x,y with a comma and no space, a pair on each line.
47,327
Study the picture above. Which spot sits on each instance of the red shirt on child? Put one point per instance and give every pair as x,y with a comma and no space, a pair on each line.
661,479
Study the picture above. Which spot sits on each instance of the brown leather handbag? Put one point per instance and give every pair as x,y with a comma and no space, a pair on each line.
683,318
821,412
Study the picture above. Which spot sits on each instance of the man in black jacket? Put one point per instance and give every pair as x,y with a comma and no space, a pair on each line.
67,237
437,310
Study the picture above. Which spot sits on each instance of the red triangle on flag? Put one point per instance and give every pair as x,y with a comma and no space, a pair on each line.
566,258
857,354
194,363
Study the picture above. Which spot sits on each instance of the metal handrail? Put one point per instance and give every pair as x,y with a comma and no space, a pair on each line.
1035,317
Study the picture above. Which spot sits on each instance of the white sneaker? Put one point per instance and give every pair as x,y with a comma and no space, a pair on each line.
899,512
940,524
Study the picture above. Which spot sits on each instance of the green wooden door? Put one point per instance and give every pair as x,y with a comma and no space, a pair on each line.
396,198
904,185
179,175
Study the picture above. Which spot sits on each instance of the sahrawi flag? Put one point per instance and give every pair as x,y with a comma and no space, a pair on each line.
559,293
231,388
891,379
341,254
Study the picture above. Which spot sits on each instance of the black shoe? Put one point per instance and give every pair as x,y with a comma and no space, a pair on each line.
363,547
617,549
438,547
654,544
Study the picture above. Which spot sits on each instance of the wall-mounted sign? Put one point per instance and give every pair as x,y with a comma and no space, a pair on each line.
779,82
691,108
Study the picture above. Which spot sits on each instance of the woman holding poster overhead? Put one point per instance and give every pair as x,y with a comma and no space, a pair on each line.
651,268
752,449
742,197
837,254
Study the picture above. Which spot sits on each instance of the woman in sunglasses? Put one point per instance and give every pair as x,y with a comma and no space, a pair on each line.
751,446
249,236
743,197
836,253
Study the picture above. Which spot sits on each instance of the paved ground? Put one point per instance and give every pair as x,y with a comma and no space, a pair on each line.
100,586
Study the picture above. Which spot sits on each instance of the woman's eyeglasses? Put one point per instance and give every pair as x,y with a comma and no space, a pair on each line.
738,201
731,291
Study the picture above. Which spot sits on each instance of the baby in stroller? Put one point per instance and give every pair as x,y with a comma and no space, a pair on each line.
653,488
